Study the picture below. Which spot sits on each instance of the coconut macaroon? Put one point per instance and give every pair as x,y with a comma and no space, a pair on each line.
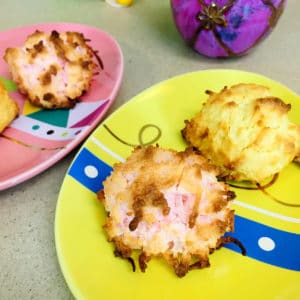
52,70
167,204
9,110
246,132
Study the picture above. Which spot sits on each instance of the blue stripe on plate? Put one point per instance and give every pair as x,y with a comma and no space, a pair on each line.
264,243
89,170
267,244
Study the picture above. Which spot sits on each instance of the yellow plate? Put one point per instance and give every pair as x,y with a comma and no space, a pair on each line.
269,229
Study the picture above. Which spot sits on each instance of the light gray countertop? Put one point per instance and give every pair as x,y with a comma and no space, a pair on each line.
153,51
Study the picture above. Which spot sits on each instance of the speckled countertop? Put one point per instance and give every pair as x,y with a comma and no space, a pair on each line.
153,51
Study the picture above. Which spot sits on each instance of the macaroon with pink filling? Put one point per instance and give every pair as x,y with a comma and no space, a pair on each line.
167,204
52,70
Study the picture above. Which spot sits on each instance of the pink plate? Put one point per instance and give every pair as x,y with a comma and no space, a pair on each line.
39,138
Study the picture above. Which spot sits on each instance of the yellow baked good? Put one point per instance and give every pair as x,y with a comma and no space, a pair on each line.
8,108
245,131
167,204
52,70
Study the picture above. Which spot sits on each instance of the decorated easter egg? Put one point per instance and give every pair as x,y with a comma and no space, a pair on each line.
225,28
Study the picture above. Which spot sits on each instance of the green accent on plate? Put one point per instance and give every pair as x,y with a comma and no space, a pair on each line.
9,84
57,117
35,127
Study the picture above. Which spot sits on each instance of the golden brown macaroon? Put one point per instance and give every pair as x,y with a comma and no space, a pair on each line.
167,204
246,132
8,108
52,70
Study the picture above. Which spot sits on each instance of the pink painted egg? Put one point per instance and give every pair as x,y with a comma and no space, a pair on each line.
225,28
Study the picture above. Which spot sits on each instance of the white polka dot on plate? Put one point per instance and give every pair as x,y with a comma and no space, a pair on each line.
91,171
266,243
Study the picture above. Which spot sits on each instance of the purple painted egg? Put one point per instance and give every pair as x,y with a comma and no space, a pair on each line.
225,28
